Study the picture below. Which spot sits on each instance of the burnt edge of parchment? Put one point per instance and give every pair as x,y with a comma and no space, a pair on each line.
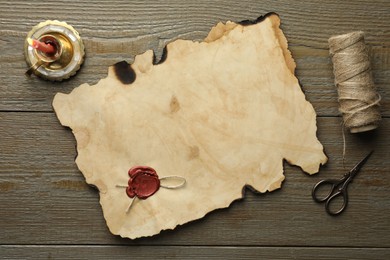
124,72
257,20
164,56
243,23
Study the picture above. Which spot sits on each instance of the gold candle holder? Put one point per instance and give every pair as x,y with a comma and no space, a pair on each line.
67,58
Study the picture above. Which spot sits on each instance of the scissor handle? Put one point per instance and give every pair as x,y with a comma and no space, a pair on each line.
331,183
341,193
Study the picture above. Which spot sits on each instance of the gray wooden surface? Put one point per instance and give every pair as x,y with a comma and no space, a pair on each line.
47,210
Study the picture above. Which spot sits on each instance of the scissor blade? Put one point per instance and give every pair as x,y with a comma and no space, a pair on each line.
360,164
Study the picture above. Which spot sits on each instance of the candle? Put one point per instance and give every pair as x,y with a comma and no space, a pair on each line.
41,46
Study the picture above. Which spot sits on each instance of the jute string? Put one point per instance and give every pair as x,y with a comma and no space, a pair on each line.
357,96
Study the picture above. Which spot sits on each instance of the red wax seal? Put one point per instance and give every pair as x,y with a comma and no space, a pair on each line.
143,183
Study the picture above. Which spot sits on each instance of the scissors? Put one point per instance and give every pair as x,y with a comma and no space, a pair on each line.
338,188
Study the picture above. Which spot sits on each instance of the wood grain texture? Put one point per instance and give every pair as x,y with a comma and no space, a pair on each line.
128,28
173,252
40,184
47,210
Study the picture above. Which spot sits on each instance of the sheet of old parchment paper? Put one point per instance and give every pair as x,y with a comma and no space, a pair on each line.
222,113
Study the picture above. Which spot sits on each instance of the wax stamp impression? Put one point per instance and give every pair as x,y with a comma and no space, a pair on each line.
222,114
143,182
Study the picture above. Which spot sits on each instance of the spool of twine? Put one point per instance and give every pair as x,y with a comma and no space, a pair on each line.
358,99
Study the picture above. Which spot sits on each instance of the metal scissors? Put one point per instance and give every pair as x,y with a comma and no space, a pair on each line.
338,188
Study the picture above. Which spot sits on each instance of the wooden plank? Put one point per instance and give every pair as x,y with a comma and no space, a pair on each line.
44,199
178,18
178,252
117,30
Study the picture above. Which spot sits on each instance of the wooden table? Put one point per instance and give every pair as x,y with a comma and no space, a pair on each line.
48,211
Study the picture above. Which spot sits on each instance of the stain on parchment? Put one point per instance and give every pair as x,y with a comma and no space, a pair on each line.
194,152
174,105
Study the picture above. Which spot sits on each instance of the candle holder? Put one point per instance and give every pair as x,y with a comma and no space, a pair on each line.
60,64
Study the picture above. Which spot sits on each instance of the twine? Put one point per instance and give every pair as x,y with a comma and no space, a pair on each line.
179,182
357,96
